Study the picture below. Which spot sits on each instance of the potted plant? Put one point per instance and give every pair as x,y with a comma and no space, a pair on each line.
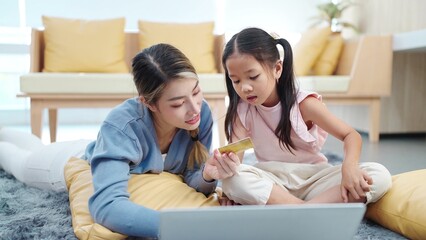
331,12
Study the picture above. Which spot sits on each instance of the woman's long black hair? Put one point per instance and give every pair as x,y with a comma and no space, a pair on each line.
263,47
153,68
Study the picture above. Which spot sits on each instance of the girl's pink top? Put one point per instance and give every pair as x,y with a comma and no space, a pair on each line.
259,123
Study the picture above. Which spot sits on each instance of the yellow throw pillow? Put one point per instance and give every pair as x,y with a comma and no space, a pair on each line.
308,49
74,45
165,190
327,61
403,208
195,40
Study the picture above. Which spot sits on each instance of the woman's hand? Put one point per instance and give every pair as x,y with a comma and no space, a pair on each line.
221,166
225,201
355,182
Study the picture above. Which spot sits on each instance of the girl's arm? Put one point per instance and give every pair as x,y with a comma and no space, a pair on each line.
354,181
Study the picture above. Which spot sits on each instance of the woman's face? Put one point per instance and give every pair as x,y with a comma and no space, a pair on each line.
180,104
252,82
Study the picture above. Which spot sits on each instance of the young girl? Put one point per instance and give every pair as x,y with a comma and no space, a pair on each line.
288,127
167,128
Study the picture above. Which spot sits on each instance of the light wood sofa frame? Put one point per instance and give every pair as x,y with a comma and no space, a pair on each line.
366,66
52,101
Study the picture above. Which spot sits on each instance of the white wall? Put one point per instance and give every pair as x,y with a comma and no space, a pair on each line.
9,13
281,16
133,10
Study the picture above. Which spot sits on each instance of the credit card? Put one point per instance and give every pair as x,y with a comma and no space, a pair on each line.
238,146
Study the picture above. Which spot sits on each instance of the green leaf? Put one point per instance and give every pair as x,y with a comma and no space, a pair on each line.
329,11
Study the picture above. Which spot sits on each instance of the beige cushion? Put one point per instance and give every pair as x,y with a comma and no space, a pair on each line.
112,83
195,40
324,84
327,61
164,190
309,48
74,45
403,208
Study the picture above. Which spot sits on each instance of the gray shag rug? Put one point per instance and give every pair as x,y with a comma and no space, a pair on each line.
30,213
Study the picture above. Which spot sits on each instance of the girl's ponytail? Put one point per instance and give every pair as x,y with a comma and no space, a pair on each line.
288,72
287,93
199,153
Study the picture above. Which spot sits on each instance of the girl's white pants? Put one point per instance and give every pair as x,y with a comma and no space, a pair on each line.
254,184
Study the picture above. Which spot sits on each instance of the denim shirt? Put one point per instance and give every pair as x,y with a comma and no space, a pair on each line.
127,144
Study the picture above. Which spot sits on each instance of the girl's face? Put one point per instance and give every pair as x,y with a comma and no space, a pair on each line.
252,82
180,105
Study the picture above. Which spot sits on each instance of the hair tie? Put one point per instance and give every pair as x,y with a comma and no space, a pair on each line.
194,139
275,36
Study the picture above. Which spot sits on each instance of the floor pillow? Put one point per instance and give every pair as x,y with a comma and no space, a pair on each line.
166,191
403,208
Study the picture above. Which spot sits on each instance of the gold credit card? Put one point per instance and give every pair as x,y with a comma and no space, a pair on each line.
238,146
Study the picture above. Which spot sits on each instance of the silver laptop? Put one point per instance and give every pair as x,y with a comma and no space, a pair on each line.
310,221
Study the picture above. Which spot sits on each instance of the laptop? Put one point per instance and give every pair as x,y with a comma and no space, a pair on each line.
310,221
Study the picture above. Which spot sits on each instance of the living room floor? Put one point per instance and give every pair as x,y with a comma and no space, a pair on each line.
398,153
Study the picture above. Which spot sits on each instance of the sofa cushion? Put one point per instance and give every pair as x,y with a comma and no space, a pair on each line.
195,40
324,84
112,83
327,61
309,48
75,45
166,191
403,208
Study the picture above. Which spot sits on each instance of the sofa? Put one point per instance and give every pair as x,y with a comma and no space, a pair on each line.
55,90
362,76
356,71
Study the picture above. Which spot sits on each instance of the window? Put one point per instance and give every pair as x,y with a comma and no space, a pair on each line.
14,60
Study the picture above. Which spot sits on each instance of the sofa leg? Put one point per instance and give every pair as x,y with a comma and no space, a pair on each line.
36,117
53,123
374,112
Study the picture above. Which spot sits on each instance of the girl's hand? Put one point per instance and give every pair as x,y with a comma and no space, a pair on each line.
355,182
221,166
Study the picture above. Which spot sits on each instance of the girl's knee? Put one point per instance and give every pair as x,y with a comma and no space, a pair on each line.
379,173
382,180
247,188
246,175
240,181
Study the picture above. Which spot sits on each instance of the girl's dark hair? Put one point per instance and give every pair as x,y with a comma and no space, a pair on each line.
263,47
153,68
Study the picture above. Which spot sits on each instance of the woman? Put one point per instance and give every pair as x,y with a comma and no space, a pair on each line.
167,128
